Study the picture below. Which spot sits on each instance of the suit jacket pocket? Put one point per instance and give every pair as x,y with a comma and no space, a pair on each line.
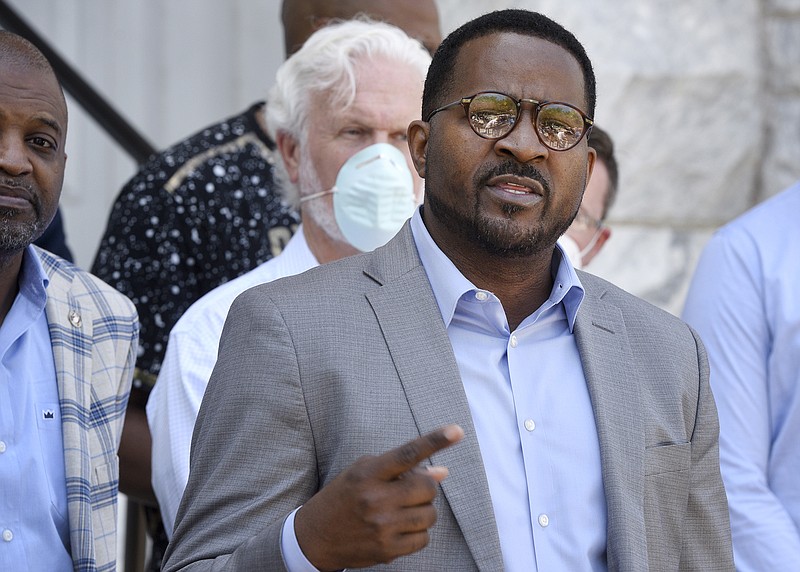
105,484
667,458
666,497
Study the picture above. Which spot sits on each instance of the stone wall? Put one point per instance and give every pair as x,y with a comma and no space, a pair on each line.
703,102
702,99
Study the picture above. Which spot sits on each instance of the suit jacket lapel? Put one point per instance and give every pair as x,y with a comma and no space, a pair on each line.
417,340
70,326
617,402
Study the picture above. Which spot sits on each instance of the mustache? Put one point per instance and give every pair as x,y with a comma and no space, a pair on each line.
16,183
483,176
22,184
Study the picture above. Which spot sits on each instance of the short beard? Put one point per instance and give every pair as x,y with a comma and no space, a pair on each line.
503,238
491,235
16,236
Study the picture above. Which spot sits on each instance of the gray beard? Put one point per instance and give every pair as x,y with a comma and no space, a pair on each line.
16,236
320,209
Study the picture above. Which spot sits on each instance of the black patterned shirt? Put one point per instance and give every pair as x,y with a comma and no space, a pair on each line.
198,214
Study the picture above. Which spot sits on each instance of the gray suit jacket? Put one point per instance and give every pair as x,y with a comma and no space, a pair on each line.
352,358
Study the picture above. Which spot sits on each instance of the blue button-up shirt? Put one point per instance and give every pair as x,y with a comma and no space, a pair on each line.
34,526
744,301
532,414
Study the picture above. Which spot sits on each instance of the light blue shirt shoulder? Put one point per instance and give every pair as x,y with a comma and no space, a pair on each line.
34,526
744,301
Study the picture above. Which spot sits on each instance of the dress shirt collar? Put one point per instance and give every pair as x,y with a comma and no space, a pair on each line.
449,284
33,281
298,254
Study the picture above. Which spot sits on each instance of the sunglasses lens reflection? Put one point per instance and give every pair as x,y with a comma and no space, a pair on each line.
494,115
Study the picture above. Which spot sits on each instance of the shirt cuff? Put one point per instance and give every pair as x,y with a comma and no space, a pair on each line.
293,557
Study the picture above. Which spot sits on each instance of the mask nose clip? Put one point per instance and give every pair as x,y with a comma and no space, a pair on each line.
373,196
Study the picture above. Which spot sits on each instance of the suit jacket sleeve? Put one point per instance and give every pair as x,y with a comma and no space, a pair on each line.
253,458
707,544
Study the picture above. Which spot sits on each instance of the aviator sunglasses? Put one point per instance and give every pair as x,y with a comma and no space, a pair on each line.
492,115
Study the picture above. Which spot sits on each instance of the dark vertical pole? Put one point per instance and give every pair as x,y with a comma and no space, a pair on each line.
88,98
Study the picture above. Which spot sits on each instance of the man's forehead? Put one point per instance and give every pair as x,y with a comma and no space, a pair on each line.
32,87
511,48
41,118
519,65
386,95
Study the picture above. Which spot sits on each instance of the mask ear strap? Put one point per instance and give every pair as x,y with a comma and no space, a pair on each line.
588,248
318,195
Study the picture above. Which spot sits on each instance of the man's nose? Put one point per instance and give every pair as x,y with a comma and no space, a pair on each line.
380,137
523,142
14,158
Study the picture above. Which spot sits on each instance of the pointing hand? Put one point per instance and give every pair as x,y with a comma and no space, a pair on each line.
377,509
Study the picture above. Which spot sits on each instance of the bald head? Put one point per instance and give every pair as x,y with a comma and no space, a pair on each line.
19,53
33,130
417,18
17,50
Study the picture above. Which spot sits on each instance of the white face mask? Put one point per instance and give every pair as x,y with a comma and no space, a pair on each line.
373,196
572,250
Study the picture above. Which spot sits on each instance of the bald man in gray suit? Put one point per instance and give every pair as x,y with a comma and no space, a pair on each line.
462,398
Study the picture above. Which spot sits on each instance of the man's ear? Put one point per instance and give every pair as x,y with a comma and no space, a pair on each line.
591,158
290,153
418,144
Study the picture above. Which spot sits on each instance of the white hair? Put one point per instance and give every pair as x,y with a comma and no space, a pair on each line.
326,64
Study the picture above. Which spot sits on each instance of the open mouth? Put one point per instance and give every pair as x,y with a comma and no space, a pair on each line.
516,185
516,189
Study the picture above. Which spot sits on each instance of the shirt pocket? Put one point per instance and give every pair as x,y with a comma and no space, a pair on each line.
51,444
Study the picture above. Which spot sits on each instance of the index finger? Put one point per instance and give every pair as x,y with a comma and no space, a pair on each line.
401,459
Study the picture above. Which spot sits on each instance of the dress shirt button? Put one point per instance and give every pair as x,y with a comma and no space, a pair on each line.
8,536
530,425
513,341
2,446
544,520
481,296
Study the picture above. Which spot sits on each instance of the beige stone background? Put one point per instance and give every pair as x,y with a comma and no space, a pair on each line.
701,97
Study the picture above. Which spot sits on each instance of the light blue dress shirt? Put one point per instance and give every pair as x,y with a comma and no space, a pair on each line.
34,525
744,301
532,414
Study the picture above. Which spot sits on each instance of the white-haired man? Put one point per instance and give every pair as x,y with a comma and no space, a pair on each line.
339,113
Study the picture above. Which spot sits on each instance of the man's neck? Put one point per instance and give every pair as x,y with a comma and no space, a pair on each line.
322,246
521,284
